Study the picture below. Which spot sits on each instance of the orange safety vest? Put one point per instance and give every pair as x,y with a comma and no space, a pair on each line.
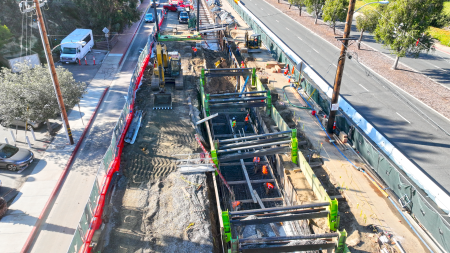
246,118
242,65
264,170
269,186
233,123
195,49
235,204
256,159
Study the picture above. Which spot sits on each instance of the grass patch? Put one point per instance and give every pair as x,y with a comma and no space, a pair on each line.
360,3
446,9
440,34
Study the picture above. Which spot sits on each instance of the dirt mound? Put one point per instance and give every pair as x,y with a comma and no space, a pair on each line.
220,84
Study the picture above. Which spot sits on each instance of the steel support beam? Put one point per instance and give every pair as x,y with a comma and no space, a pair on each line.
261,141
228,74
251,181
253,146
292,217
287,238
237,99
253,137
276,209
228,69
280,213
237,94
239,105
263,200
291,248
227,135
237,164
263,152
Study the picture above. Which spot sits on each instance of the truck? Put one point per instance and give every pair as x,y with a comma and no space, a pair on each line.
76,45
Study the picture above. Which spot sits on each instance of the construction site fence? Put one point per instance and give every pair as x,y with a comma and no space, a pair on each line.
418,194
90,221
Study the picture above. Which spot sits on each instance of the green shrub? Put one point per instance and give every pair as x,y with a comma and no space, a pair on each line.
440,34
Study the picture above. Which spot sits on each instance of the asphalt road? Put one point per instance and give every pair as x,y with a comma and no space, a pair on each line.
411,126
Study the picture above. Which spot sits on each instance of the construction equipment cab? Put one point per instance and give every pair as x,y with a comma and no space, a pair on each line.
76,45
253,42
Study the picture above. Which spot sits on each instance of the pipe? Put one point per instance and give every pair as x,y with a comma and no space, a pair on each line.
274,209
300,107
283,238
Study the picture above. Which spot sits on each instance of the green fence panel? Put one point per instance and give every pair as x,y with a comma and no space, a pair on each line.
77,242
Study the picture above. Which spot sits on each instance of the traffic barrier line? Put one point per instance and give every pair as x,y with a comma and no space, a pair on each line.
46,208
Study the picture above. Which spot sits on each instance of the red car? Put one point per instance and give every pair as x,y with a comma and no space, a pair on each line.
170,7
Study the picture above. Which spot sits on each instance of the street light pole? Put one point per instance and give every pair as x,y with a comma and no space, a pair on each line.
340,67
52,68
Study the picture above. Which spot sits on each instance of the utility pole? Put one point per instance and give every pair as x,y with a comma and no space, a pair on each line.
198,15
156,18
52,68
340,67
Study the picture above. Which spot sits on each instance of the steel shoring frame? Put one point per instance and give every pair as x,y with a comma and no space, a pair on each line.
284,238
237,99
263,200
261,141
238,105
280,213
262,152
221,151
236,164
253,137
271,180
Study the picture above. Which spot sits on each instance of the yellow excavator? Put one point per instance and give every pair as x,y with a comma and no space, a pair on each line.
167,69
253,42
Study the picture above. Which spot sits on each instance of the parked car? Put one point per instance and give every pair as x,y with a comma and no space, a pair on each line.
149,18
183,18
155,3
170,7
31,124
14,158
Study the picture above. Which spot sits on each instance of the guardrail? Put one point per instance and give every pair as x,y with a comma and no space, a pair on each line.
90,221
414,188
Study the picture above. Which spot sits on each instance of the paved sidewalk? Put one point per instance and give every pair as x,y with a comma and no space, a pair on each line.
23,213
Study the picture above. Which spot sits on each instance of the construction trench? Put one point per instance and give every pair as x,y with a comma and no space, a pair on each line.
188,187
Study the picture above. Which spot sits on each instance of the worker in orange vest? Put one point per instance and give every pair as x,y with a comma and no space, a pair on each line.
268,187
246,122
195,51
256,161
265,171
242,64
236,205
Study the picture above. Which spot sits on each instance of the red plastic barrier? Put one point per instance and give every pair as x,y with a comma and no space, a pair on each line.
96,221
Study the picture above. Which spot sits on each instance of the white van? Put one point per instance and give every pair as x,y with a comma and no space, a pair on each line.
76,45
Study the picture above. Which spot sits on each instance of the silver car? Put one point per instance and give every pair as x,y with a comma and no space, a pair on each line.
31,124
14,158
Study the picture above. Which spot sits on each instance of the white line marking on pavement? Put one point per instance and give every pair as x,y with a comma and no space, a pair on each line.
299,38
315,50
361,85
403,118
287,28
262,9
336,66
277,21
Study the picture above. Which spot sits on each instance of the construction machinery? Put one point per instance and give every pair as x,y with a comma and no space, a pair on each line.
167,69
253,42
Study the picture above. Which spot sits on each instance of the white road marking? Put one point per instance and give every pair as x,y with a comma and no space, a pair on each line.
299,38
315,50
361,85
277,21
262,9
336,66
403,118
287,28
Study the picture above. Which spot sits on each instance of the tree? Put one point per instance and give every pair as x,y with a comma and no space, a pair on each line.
314,6
29,94
114,14
367,22
298,3
5,35
333,11
404,26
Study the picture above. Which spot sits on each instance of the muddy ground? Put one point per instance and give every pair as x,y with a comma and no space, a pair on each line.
153,207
